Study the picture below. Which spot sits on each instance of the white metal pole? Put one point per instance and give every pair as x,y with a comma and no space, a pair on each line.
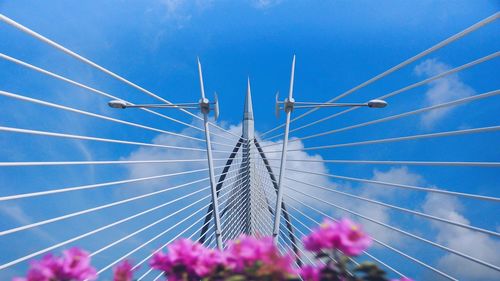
288,109
205,109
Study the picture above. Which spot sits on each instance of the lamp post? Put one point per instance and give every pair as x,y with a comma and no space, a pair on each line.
205,109
120,104
288,105
205,106
297,104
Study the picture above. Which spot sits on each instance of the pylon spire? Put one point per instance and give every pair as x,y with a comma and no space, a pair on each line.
248,121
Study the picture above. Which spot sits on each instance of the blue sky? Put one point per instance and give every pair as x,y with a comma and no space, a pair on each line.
338,44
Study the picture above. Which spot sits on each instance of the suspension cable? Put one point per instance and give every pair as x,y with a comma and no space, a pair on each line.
404,89
297,238
43,222
404,232
401,115
149,225
83,112
289,249
236,221
364,251
98,185
37,253
109,162
170,241
65,79
154,238
382,243
236,193
397,139
401,209
99,92
95,65
237,214
307,256
161,273
438,46
416,163
92,232
418,111
433,190
233,198
81,137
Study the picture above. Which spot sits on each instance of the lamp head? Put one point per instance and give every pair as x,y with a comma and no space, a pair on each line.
277,105
377,104
117,104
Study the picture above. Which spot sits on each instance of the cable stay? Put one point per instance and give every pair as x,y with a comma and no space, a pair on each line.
242,191
95,65
436,47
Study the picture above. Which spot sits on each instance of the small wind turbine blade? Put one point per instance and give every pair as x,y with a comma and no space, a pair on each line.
216,107
277,106
201,79
292,76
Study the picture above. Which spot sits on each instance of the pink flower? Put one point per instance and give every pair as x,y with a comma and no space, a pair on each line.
188,257
45,269
352,241
246,252
325,237
184,251
73,266
123,271
310,273
208,261
313,242
344,235
242,252
160,261
76,265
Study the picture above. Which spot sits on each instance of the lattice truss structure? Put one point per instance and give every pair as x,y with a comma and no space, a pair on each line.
248,171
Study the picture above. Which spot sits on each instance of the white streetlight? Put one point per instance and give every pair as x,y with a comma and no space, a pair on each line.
377,104
203,104
117,104
292,104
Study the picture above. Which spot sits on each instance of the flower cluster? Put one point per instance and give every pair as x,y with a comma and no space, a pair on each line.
245,258
261,254
336,243
187,260
74,265
123,272
344,236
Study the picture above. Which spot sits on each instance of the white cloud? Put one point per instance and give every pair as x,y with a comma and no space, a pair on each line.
17,214
265,4
442,90
148,153
298,154
173,5
176,10
181,11
477,245
399,175
157,153
470,242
